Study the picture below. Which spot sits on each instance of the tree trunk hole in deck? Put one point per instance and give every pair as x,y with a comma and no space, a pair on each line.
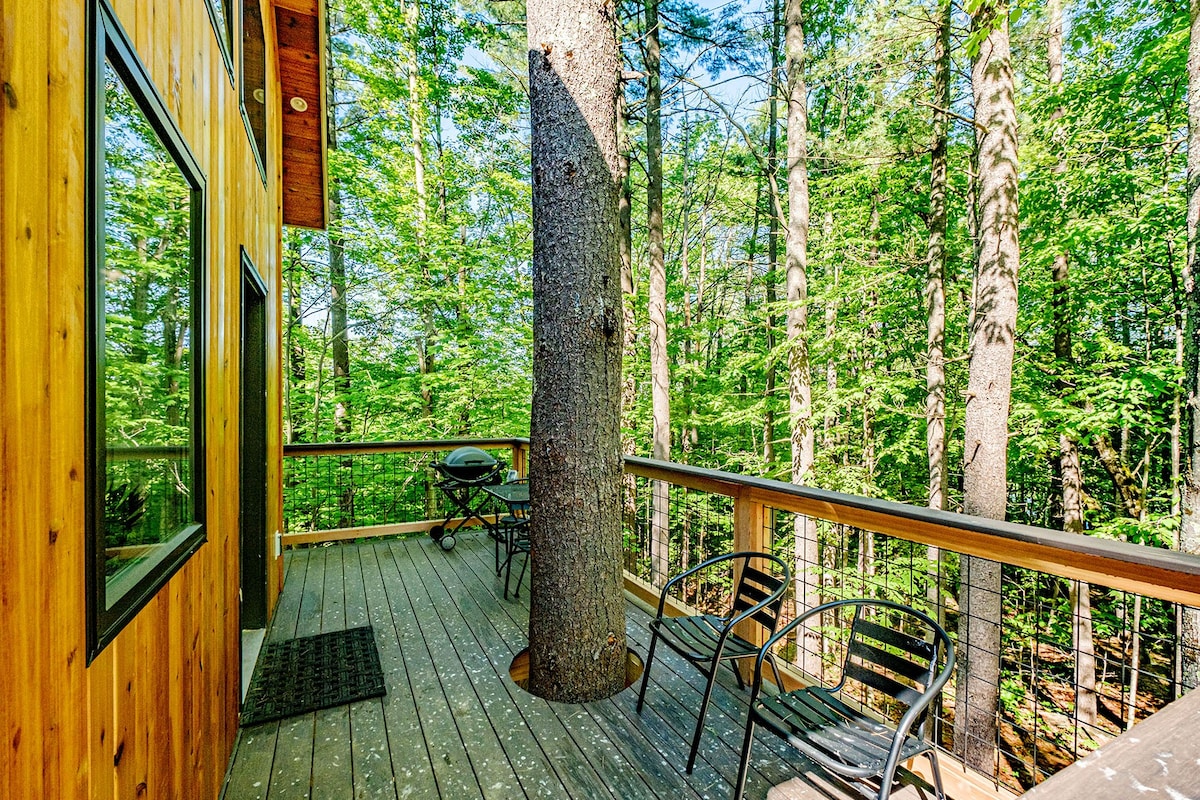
519,669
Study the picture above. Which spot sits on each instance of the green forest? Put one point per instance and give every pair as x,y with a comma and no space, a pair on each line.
412,317
797,306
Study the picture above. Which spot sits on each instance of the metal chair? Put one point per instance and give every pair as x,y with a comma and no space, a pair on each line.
707,640
518,542
508,526
894,653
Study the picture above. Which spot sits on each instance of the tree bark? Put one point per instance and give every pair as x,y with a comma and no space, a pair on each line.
577,610
773,225
1189,534
1069,469
935,297
629,297
989,384
660,368
799,368
935,274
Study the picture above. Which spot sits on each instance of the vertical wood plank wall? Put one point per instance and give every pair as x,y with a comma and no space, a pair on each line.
155,715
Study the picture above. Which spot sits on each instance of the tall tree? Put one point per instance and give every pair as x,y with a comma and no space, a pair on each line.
774,223
989,387
577,608
935,276
803,439
1189,534
660,367
935,288
1070,470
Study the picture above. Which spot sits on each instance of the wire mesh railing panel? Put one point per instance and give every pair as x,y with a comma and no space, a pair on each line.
670,529
351,489
1060,666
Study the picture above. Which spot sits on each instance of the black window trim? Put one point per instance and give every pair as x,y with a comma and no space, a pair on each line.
226,46
108,40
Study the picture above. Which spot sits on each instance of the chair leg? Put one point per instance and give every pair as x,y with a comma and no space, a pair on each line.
646,669
937,773
508,574
708,689
737,673
739,785
775,669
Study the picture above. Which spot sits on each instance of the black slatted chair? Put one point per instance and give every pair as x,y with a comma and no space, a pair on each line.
707,640
518,542
900,656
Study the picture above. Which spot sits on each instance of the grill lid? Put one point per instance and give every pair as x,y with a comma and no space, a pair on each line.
468,463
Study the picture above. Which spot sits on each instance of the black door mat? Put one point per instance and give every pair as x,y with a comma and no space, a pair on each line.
314,672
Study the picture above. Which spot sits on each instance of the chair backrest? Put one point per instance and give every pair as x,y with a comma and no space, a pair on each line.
756,585
897,651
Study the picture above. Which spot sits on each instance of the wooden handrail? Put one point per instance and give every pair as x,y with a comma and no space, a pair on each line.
1150,571
1154,572
412,446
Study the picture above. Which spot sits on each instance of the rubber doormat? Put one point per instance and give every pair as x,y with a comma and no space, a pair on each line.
314,672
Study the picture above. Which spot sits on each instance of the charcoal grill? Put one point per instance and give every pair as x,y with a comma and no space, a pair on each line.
465,472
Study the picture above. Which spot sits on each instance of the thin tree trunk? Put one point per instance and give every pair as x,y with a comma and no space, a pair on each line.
1189,534
296,371
773,224
660,368
989,385
577,609
628,297
799,368
935,298
1069,469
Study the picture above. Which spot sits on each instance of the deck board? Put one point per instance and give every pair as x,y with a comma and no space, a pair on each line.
454,725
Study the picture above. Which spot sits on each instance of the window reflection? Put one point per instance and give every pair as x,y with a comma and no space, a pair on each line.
254,75
145,367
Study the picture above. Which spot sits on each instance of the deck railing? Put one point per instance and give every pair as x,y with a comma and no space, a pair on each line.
844,545
352,489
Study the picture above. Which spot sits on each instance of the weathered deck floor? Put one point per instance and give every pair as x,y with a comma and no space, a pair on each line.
453,725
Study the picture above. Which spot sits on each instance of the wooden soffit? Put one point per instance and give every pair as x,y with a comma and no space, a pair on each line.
300,33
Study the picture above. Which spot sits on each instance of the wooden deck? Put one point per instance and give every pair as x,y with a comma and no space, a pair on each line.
453,725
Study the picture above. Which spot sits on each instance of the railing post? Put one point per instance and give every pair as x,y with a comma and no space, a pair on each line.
749,533
518,460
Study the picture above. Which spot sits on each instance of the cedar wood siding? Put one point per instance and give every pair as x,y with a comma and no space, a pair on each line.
155,714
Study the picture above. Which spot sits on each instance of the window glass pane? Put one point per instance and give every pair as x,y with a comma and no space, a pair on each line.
254,74
145,365
223,22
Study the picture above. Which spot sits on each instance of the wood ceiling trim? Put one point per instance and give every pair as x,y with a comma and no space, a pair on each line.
300,34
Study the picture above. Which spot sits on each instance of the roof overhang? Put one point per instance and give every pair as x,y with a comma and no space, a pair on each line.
300,34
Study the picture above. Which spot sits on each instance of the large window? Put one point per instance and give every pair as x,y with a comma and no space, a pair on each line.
145,435
254,80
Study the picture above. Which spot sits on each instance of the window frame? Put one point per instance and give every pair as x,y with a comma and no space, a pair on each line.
108,42
260,158
225,45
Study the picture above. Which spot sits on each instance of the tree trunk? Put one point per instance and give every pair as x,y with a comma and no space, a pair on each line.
577,609
628,296
1189,534
773,224
337,296
295,349
799,369
660,369
989,384
1069,469
935,299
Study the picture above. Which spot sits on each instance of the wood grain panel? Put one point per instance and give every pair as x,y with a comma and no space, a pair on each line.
155,713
